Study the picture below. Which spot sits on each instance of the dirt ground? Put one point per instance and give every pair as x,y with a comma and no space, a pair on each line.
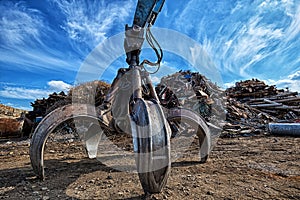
258,167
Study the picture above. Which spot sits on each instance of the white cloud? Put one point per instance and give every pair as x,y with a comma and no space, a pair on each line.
294,29
18,106
230,84
295,76
155,79
292,82
292,85
238,6
252,43
59,85
34,60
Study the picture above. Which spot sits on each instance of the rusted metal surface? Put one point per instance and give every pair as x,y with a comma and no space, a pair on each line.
199,127
11,127
193,91
48,124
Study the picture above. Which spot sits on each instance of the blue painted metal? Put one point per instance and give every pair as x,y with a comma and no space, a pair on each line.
292,129
158,6
143,11
145,14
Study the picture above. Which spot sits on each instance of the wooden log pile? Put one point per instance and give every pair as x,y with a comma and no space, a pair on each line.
284,106
252,105
249,89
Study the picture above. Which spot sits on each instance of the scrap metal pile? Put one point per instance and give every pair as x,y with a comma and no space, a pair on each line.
42,106
249,106
245,109
194,91
89,93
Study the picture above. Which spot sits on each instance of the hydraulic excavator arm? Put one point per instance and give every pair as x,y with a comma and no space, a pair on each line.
145,16
147,11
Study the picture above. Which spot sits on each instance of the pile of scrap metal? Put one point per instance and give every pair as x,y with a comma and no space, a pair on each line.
88,93
245,109
42,106
194,91
252,105
184,88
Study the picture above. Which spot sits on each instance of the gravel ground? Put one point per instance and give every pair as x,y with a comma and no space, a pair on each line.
260,167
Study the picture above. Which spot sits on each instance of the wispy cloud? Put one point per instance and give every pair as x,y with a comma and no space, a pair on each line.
292,82
25,40
22,93
35,59
253,43
91,22
242,37
295,76
292,85
15,92
18,106
19,24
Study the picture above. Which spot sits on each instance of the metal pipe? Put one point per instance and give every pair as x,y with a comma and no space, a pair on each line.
285,129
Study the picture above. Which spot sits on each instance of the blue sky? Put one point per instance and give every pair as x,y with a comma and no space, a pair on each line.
44,43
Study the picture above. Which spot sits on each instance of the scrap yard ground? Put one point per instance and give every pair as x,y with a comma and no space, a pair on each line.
259,167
